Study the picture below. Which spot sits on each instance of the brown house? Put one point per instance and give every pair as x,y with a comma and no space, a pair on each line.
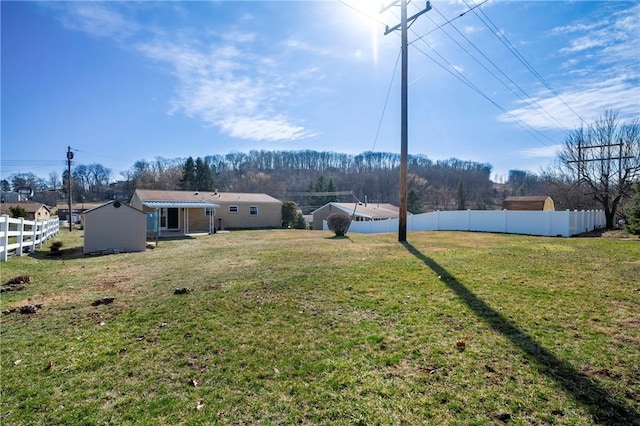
531,203
35,211
197,211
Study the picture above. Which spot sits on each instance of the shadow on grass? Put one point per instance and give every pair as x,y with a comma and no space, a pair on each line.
62,254
338,237
603,407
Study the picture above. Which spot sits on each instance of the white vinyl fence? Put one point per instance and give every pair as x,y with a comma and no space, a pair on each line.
19,235
545,223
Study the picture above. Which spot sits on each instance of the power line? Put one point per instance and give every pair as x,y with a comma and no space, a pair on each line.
511,48
527,98
461,77
384,108
363,13
448,22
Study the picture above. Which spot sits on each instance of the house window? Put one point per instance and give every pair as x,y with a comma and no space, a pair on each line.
253,210
209,211
233,209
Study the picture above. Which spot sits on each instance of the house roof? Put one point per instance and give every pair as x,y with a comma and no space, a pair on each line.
369,210
28,206
185,198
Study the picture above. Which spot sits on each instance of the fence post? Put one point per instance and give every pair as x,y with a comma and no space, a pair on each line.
20,237
35,236
4,231
506,220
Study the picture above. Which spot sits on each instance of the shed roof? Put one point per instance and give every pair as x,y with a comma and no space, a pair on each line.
113,202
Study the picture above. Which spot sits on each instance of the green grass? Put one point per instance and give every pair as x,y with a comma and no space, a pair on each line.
292,326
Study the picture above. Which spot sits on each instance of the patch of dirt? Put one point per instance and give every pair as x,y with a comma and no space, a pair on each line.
616,234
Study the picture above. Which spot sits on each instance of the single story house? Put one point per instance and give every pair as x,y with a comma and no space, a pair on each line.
77,210
359,212
185,212
35,211
531,203
114,227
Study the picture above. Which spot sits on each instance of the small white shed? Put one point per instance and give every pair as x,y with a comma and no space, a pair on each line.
114,227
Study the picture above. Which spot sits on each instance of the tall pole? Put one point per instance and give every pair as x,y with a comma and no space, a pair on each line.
404,126
69,158
404,108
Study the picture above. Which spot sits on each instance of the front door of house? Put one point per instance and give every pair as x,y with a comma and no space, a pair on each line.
169,218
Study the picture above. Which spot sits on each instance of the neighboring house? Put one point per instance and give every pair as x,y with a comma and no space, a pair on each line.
77,210
359,212
535,203
35,211
114,227
197,211
120,190
9,197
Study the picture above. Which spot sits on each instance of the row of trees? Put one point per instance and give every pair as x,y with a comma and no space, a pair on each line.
595,169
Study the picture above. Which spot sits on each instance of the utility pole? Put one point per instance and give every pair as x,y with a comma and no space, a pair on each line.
69,158
404,106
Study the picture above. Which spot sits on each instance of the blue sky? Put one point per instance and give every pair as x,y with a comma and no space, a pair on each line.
125,81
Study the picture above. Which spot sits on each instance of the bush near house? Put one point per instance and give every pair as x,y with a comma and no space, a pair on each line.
338,223
18,211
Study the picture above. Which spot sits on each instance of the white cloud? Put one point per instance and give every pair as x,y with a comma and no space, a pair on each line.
542,152
97,20
601,73
222,84
239,37
261,129
588,101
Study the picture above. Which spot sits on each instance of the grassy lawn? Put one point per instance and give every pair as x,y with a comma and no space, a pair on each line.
283,327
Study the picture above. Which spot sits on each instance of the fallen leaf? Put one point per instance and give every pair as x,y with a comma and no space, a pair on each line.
461,344
48,367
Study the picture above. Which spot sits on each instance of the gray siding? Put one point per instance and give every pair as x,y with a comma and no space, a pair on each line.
108,228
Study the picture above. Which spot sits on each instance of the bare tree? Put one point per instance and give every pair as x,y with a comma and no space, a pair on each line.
604,160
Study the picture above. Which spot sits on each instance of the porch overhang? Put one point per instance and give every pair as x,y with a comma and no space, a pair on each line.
180,204
185,205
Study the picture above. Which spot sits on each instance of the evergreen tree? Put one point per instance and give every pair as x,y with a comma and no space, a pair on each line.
331,188
633,218
204,176
414,203
18,211
289,210
188,181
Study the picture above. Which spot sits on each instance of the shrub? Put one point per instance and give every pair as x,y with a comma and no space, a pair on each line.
299,222
633,218
338,223
18,211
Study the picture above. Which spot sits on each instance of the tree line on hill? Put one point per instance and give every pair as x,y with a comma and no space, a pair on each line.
596,169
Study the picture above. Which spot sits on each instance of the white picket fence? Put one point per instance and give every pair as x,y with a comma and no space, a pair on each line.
28,234
545,223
